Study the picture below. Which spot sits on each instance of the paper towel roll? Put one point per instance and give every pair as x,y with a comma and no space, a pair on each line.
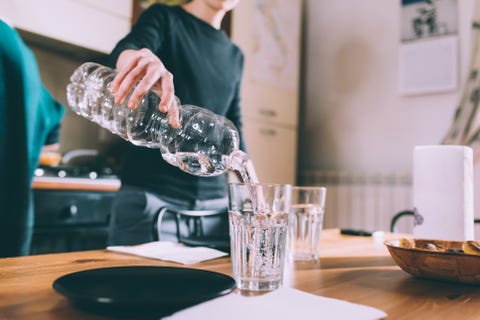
443,192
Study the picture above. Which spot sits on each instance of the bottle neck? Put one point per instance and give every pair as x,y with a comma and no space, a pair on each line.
240,161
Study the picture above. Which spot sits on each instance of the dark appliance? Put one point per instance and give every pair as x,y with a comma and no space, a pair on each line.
67,219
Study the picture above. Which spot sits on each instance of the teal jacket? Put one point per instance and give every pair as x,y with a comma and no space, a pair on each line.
27,114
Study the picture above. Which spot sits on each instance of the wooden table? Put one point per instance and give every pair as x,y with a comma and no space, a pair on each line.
351,268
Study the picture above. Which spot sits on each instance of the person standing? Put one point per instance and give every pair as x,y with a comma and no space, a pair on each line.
28,116
174,51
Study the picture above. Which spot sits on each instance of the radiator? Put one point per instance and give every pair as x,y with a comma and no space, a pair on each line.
365,201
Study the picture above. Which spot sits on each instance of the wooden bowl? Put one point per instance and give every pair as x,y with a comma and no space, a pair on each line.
436,259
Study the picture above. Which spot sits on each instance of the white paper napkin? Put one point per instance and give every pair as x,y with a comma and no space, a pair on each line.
170,251
284,303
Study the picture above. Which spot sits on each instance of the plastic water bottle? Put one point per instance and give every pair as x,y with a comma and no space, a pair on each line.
205,144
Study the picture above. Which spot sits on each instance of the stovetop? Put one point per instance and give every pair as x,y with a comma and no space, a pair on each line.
62,172
75,178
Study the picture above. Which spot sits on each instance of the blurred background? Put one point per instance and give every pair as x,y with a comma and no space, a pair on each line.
330,95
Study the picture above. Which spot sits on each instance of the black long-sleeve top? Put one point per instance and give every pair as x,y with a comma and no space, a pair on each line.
207,70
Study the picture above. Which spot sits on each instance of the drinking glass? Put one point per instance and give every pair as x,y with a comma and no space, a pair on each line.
306,222
258,218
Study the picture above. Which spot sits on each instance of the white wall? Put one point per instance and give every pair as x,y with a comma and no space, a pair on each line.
353,117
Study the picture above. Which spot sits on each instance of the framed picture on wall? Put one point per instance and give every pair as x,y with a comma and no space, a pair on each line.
428,18
428,53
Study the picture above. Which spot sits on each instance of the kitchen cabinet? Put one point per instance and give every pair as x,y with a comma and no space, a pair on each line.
72,205
273,151
269,34
70,220
91,24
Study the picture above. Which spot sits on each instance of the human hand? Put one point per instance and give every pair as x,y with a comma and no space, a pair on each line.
145,71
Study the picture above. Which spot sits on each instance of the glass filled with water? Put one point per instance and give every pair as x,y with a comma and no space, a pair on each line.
258,219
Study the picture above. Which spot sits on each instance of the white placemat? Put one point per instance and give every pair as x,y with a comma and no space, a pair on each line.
170,251
284,303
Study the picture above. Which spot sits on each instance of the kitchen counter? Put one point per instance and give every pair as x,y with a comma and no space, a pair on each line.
83,184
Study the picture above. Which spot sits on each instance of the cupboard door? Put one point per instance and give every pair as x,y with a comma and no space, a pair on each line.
273,150
269,34
96,25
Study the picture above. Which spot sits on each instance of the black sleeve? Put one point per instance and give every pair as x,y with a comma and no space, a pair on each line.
234,112
148,32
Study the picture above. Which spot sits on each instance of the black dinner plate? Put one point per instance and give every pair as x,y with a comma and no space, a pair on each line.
141,291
